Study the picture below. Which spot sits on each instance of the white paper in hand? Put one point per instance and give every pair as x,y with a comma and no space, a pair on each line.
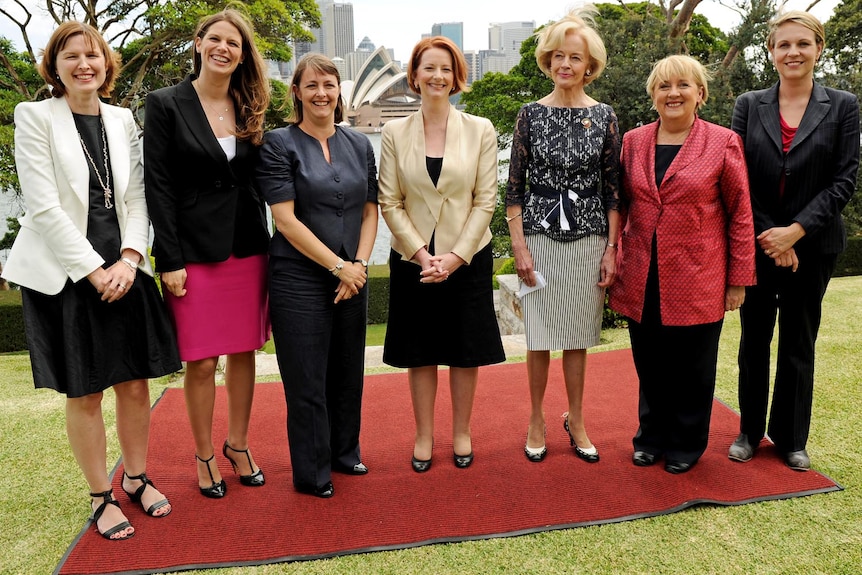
525,289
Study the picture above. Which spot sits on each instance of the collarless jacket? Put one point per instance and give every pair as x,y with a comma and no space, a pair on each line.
457,212
700,217
819,168
54,173
203,207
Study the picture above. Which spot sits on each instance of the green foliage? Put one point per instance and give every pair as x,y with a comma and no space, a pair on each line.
850,262
378,298
11,322
9,238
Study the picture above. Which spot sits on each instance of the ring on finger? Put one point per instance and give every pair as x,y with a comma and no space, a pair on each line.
121,286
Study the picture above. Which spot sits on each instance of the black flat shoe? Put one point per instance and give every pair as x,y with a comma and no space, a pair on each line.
358,469
677,467
324,492
463,461
590,455
216,490
798,460
256,479
644,459
136,496
741,450
420,465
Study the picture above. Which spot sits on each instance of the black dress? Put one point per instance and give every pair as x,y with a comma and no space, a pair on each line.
81,345
462,330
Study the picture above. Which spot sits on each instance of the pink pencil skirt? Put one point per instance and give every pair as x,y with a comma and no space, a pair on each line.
225,309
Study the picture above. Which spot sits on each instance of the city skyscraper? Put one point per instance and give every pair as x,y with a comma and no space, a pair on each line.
452,30
507,37
338,29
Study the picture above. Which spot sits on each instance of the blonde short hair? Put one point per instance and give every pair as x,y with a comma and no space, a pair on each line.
799,17
679,66
578,21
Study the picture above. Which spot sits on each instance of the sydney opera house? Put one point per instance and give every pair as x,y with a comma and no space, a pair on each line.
378,93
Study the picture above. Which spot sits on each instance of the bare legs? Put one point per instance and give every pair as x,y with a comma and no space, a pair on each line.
85,428
423,391
199,388
574,371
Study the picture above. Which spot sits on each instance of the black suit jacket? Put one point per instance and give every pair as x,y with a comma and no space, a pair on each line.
819,169
203,208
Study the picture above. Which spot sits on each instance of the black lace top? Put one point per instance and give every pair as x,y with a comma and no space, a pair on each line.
571,159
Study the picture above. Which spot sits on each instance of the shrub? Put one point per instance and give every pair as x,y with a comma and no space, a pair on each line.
850,262
11,322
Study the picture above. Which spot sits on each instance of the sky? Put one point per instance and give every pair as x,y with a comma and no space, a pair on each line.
399,24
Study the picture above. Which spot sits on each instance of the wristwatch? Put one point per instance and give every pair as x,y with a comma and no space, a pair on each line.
335,270
361,261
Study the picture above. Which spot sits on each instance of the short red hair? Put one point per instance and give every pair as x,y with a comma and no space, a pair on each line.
459,64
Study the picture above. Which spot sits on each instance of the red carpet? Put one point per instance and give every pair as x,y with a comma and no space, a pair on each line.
392,507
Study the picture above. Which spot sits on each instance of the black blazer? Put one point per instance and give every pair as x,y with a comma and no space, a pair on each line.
203,208
819,169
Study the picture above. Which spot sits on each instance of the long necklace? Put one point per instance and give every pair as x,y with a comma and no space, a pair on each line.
106,183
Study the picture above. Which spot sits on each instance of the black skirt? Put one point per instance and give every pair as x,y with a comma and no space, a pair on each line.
449,323
81,345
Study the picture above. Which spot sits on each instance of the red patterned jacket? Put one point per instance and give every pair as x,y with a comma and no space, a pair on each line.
701,218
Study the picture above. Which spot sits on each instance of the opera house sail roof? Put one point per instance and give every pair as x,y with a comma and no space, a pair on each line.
378,93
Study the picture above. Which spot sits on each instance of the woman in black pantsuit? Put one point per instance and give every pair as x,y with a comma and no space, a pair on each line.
321,181
802,149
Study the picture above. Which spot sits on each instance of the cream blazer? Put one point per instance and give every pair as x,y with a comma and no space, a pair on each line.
457,212
52,245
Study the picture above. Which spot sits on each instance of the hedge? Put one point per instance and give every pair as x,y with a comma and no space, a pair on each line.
11,322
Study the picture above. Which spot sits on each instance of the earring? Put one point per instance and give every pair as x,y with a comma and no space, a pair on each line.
589,73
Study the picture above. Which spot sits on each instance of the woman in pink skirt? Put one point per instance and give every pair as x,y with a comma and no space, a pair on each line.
200,144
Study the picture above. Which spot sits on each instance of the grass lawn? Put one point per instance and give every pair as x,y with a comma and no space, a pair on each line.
43,497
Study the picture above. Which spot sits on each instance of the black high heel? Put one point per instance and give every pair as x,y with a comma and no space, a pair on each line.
139,492
216,490
420,465
463,461
535,454
256,479
108,499
589,457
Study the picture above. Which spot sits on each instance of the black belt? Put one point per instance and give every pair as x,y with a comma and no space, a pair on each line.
566,203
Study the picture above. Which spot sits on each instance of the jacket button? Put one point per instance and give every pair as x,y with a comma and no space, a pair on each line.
339,195
217,184
337,178
338,213
786,172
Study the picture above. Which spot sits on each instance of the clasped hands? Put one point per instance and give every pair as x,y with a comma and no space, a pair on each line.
778,242
351,279
114,282
437,269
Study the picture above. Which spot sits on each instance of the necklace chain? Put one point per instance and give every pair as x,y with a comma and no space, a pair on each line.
106,183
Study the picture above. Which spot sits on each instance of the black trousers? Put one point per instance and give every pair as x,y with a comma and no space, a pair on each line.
796,298
676,368
321,357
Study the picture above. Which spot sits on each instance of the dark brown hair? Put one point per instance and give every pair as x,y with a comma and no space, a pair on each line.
323,65
56,44
459,64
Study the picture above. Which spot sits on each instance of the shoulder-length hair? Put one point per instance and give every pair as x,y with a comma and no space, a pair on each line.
459,64
56,44
679,66
249,85
578,21
322,65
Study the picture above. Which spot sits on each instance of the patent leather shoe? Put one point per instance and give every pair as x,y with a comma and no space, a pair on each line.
535,454
677,467
644,459
741,450
798,460
216,490
590,454
358,469
420,465
324,492
254,479
463,461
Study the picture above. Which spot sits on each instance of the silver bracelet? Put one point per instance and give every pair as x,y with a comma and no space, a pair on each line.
130,263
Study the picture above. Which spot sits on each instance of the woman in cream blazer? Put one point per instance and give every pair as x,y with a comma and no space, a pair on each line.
92,321
438,189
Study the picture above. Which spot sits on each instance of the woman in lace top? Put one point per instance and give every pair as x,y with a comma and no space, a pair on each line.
561,205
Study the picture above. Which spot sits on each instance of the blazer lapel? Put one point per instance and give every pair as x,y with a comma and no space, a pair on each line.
818,107
193,115
70,154
768,113
690,151
451,155
432,197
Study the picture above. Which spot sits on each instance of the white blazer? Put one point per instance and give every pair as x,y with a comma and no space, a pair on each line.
54,175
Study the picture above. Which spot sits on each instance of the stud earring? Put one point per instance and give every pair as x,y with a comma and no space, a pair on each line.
589,73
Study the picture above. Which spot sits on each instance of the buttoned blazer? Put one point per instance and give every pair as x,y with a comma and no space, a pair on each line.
203,207
54,175
819,168
458,210
700,217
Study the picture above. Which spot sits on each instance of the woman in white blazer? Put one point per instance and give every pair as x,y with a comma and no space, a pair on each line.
92,321
437,192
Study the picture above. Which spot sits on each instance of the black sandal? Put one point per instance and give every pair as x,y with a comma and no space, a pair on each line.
139,492
256,479
108,499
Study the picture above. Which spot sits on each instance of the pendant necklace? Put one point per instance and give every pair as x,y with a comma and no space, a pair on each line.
106,183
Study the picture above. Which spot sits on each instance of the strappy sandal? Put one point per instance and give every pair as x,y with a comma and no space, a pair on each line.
108,499
255,479
139,492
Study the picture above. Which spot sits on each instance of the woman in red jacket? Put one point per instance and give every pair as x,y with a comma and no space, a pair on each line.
686,255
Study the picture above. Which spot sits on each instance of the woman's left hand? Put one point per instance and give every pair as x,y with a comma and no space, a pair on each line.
775,241
442,267
608,267
733,297
116,282
353,277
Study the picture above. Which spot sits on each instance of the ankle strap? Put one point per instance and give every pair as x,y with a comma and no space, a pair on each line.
142,477
108,495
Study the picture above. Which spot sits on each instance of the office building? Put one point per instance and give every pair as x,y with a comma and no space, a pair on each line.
452,30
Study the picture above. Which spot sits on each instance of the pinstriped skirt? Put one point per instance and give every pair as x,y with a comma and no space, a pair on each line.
567,314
